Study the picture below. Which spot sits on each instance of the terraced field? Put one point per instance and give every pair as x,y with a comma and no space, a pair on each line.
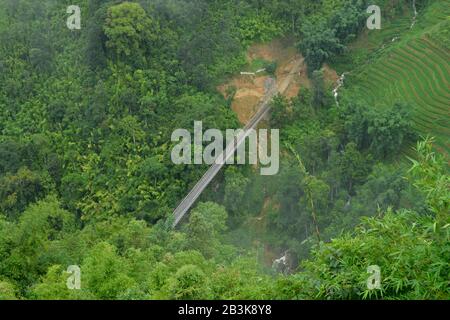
415,70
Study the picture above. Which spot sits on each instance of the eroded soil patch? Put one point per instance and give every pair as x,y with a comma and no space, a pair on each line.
250,89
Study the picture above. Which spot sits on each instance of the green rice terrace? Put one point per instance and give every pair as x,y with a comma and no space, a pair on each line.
412,66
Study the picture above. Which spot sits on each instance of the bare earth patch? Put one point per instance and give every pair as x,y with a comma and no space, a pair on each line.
250,89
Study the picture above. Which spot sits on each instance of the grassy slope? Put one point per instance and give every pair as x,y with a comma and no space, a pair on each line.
414,68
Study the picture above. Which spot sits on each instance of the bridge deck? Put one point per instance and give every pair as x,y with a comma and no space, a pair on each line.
220,161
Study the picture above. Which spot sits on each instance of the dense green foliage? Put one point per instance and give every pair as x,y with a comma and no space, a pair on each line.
86,178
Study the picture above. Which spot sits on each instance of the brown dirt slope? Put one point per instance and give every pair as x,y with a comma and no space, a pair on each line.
250,89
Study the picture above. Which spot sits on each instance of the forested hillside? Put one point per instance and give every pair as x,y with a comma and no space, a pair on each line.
86,177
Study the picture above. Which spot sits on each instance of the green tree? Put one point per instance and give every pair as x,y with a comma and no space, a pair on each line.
429,173
37,227
354,167
318,89
388,129
7,291
319,42
53,286
235,189
206,224
19,190
105,273
280,113
189,283
130,32
96,38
